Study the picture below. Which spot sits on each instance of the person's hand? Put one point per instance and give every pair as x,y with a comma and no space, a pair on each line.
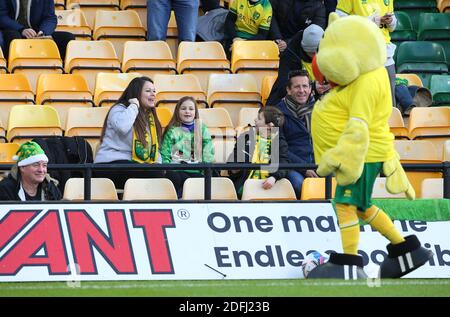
29,33
386,19
269,182
134,101
281,45
311,173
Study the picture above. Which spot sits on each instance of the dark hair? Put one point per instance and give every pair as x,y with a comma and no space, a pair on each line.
134,90
297,73
272,115
176,120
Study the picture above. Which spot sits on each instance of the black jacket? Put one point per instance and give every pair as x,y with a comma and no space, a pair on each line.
10,186
312,12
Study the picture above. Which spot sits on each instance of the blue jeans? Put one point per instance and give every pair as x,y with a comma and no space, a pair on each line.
296,180
158,14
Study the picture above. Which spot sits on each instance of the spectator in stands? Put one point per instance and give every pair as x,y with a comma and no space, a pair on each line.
411,96
211,25
247,20
297,108
298,55
330,6
380,12
257,146
158,15
28,179
131,133
319,89
27,19
292,16
180,143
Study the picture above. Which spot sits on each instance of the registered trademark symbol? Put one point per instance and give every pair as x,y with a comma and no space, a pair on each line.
183,214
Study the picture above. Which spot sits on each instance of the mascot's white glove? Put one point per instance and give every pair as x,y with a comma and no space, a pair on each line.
346,159
396,179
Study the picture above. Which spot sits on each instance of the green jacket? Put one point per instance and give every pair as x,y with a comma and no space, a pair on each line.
178,139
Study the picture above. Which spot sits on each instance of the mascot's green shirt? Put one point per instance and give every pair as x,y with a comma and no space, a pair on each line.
250,17
367,98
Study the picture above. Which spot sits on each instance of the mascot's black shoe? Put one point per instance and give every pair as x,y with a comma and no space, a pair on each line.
340,266
404,257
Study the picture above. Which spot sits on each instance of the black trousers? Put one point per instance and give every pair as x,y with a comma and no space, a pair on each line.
61,39
179,177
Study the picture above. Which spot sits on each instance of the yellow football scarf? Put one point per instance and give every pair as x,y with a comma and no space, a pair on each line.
150,153
261,155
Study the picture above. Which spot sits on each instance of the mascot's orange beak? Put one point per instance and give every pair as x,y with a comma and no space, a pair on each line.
318,75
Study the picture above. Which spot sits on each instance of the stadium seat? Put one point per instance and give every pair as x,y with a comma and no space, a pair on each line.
202,59
63,91
7,151
421,58
232,92
2,132
431,123
14,89
404,30
149,189
170,88
172,34
118,27
413,79
73,21
60,5
397,125
164,116
314,188
446,151
440,89
88,58
3,68
246,118
148,58
90,8
435,27
259,58
380,191
222,188
443,6
433,188
87,123
109,87
101,189
139,6
218,122
266,87
30,121
414,7
33,57
223,148
281,190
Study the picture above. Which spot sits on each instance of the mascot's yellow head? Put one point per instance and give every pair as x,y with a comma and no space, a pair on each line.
351,46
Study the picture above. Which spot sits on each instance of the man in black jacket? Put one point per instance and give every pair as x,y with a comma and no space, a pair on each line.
28,179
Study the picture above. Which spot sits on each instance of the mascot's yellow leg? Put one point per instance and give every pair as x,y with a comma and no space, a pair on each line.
378,219
349,226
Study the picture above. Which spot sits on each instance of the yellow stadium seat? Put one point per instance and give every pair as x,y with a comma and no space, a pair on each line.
443,6
101,189
149,189
118,27
246,118
218,122
14,89
63,91
2,132
170,88
109,87
223,148
60,4
446,151
164,116
86,122
232,92
33,57
74,21
202,59
139,6
88,58
431,123
3,68
282,190
172,34
90,7
7,151
397,125
380,191
259,58
222,188
314,188
266,87
433,188
413,79
30,121
148,58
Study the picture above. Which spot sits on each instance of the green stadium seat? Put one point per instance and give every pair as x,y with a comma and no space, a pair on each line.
404,30
440,88
435,27
414,7
421,58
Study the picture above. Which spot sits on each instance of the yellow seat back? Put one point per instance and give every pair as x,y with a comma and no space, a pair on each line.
149,189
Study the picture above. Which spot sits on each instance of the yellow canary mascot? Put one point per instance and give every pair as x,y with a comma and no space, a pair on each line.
352,141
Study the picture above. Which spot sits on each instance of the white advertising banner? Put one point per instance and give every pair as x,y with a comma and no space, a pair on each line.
176,241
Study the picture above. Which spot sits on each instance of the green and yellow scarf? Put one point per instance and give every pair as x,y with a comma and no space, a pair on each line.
148,154
261,155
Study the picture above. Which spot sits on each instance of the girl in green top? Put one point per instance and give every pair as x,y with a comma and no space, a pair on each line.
186,140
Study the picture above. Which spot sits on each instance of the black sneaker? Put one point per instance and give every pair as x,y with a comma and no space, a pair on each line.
340,266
